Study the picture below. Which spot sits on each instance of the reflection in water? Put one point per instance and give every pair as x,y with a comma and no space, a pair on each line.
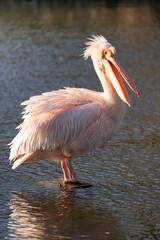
46,16
59,217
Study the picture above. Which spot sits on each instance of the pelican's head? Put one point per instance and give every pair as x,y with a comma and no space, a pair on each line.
102,54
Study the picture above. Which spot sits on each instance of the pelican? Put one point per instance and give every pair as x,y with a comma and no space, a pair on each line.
65,124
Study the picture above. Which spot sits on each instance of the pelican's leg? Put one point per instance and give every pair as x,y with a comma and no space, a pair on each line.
70,179
68,171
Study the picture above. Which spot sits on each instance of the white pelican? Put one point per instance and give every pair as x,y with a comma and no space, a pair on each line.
64,124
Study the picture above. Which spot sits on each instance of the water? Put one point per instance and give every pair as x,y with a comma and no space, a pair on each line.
40,47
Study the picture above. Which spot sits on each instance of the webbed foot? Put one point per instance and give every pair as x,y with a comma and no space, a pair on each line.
75,184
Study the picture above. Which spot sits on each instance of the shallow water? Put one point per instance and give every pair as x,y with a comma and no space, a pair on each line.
40,47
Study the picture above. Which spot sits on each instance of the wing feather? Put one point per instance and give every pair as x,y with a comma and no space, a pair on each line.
60,99
55,119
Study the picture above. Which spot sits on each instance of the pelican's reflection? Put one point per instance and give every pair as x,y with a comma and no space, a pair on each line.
63,216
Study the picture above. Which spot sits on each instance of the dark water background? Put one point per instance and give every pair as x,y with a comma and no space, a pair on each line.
40,47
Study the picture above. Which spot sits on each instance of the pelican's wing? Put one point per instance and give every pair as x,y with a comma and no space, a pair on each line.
55,119
56,101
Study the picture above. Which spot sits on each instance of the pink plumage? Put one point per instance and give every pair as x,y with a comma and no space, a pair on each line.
64,124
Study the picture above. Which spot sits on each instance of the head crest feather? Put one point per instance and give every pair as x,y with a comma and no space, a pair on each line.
94,43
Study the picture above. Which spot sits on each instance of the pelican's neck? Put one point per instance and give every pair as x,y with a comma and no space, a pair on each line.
110,93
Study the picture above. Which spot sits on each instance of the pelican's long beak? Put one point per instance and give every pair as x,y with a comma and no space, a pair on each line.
114,71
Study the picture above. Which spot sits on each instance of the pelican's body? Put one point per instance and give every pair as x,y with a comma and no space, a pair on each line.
64,124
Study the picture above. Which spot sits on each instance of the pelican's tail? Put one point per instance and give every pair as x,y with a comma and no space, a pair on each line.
21,159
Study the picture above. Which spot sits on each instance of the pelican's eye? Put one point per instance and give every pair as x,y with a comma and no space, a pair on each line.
107,53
